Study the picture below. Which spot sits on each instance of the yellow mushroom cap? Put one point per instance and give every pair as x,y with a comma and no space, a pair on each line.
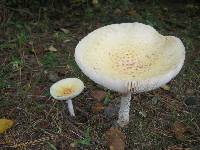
130,57
66,89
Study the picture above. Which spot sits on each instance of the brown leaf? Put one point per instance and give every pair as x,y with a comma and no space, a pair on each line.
179,130
98,94
52,49
64,30
5,124
95,2
132,12
118,12
98,107
115,139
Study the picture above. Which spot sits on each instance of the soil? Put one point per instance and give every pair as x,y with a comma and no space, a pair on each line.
159,120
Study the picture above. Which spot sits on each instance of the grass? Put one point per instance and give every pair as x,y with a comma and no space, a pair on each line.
45,123
86,140
50,60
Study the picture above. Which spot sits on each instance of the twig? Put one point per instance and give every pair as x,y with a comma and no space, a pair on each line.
82,111
77,129
76,134
38,96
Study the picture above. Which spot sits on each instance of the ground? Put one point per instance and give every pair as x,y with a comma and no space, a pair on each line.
37,49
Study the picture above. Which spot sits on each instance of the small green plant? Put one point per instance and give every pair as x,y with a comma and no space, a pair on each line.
190,119
22,38
50,60
51,146
16,63
188,42
150,19
86,140
59,36
7,45
107,99
7,70
174,114
89,13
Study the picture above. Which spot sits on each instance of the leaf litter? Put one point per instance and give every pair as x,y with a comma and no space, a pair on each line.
116,139
98,95
5,124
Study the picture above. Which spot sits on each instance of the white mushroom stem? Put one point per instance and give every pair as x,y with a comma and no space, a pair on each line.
70,107
123,118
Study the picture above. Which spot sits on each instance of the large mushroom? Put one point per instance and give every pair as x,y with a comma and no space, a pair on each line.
66,89
129,58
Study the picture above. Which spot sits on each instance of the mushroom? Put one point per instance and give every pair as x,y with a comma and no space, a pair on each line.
129,58
66,89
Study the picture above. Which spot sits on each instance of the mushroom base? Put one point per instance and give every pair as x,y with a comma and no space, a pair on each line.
123,118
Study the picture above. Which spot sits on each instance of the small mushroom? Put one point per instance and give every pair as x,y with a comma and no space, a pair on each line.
67,89
129,58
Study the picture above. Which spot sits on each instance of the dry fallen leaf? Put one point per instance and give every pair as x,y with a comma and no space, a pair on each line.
143,114
67,40
95,2
5,124
117,12
52,49
64,30
179,130
132,12
97,107
115,139
98,94
165,87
